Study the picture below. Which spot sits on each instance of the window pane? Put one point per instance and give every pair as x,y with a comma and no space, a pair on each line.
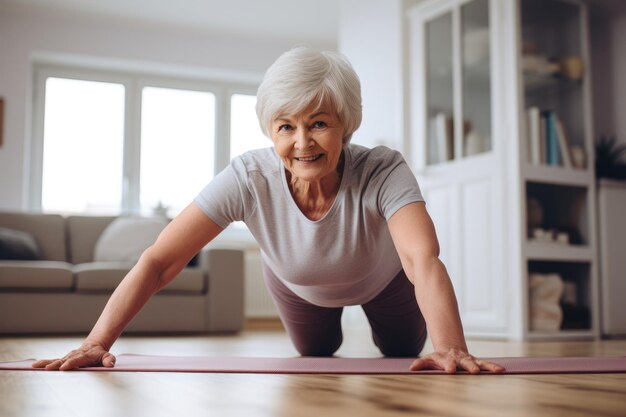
440,97
177,143
245,133
476,77
83,146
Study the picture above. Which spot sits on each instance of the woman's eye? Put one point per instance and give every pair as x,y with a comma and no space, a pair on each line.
319,125
284,128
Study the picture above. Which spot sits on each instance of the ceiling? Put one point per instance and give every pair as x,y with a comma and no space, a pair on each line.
303,20
296,20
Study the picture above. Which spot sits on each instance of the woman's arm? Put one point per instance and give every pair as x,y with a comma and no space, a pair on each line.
415,239
183,237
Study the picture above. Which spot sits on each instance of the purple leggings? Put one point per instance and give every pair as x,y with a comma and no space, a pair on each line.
398,327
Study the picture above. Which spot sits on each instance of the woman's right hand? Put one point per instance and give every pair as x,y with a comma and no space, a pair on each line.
89,354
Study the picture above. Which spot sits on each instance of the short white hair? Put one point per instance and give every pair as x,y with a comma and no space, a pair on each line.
301,77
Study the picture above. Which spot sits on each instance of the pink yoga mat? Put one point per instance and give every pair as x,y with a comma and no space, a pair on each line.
309,365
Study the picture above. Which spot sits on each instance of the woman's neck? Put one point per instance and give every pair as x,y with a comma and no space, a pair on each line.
315,198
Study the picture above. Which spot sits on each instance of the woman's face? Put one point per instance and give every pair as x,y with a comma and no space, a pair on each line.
310,142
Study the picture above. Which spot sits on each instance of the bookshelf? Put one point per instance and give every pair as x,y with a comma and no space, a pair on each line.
557,178
514,212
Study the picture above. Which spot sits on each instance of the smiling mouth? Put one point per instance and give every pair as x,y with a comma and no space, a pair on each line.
311,158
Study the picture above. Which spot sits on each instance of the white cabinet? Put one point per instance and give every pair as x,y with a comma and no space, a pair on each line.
612,231
455,116
500,141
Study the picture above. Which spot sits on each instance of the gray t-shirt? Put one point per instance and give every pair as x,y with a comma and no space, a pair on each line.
345,258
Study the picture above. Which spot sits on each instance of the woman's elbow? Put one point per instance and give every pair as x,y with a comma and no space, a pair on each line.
155,266
425,266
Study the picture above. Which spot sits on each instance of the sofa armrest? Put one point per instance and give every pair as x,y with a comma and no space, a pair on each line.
225,293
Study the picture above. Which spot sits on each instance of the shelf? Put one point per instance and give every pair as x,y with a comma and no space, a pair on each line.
539,84
557,211
560,276
559,175
558,252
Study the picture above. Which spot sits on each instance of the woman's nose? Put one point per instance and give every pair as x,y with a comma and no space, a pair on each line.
303,139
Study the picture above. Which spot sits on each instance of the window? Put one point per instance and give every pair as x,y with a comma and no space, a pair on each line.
245,133
177,142
83,146
111,142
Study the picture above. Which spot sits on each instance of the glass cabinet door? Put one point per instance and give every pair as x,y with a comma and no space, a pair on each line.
458,78
476,77
439,81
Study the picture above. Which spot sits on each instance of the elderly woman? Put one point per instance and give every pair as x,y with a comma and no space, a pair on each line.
338,224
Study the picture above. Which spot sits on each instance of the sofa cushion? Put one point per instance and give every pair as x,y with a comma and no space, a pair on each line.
106,276
188,280
125,239
44,275
83,233
18,245
100,276
47,229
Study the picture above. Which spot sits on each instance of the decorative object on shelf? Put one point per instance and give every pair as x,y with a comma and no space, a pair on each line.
539,65
545,294
529,47
579,157
476,46
610,158
473,143
442,130
555,214
550,236
570,293
534,215
160,210
572,67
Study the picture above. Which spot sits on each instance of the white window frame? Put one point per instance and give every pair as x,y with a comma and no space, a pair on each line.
134,82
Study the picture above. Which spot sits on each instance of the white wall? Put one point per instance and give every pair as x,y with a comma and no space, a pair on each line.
26,33
370,35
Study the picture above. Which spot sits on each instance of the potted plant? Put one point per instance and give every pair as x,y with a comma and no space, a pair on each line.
610,161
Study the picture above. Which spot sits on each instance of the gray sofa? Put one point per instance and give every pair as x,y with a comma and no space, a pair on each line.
64,291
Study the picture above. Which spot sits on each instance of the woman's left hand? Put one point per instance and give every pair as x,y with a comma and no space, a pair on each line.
453,359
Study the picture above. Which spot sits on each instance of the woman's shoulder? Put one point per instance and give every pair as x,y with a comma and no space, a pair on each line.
262,160
377,157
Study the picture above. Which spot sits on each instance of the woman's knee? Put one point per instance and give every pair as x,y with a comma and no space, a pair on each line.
396,351
318,347
401,348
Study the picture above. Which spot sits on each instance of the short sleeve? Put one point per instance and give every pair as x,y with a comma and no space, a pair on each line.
223,199
398,186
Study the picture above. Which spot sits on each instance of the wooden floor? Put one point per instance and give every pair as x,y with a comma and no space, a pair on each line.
87,394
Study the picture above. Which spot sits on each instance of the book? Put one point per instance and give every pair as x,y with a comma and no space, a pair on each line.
443,133
553,153
534,135
543,144
433,151
563,143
